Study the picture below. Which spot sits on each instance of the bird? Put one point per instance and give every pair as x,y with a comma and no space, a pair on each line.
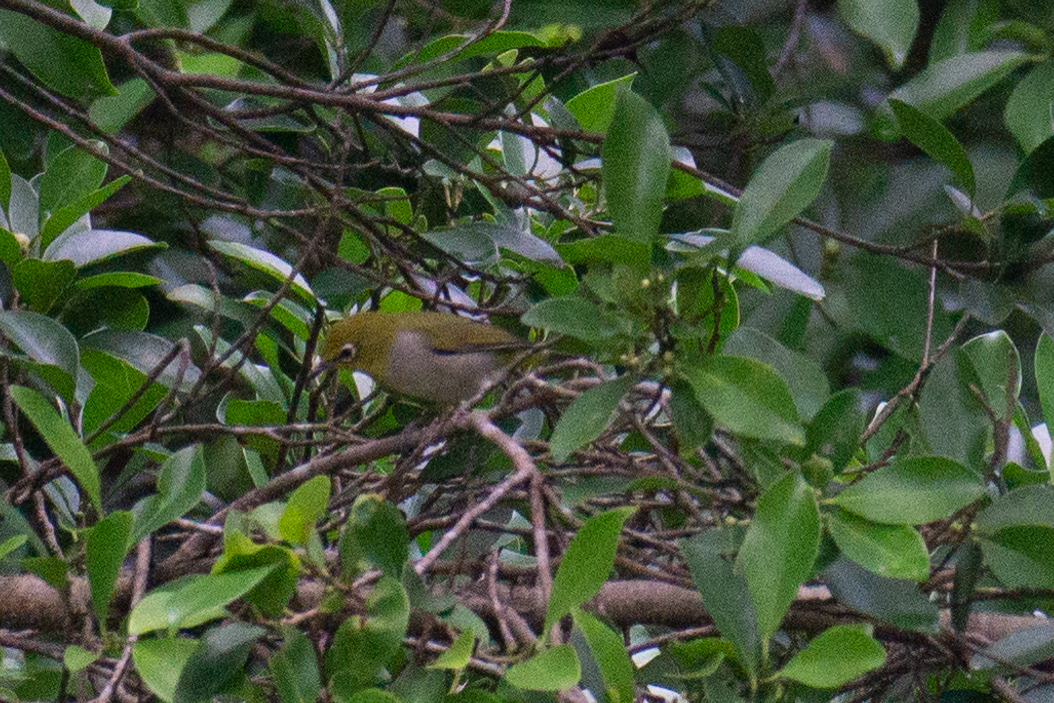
437,357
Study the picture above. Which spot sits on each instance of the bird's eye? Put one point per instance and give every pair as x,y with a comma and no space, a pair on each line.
347,352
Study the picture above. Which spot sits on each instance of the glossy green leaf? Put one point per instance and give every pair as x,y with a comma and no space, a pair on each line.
594,107
636,166
76,658
913,491
359,650
11,544
376,533
891,24
553,669
199,600
86,247
116,382
220,656
180,484
41,284
725,596
273,593
1035,175
954,422
1020,649
1028,505
609,653
573,316
305,508
1044,369
587,417
934,138
459,653
962,28
748,398
104,551
896,601
23,211
68,215
42,339
942,88
159,662
118,279
896,551
62,439
780,548
805,378
67,65
267,263
141,350
997,366
835,657
295,668
1020,556
70,176
586,563
785,183
834,434
1028,111
113,112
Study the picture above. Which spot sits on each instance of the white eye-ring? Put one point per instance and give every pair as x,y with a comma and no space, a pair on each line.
347,352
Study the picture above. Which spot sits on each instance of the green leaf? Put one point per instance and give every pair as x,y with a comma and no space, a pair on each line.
305,507
5,182
295,668
1044,366
104,551
785,184
587,417
11,544
62,439
554,669
272,594
1019,650
359,650
68,215
933,138
201,599
375,532
141,350
67,65
1020,556
896,551
748,398
460,651
1035,175
725,595
574,316
835,657
77,658
115,384
594,108
159,662
86,247
220,656
942,88
586,563
616,668
180,484
780,548
835,432
43,340
267,263
70,176
118,279
805,378
912,491
113,112
636,166
896,601
954,423
997,366
891,24
1028,111
1028,505
40,284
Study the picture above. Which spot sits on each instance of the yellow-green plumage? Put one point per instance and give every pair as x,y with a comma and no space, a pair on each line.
434,356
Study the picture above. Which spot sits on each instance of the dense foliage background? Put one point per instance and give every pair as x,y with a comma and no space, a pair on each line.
785,434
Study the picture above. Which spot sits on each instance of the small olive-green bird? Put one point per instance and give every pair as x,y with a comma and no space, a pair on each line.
433,356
